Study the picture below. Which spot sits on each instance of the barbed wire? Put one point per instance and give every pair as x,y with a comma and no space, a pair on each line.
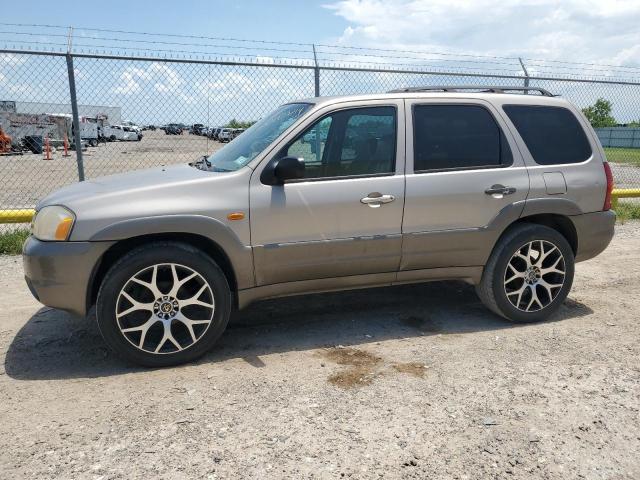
327,54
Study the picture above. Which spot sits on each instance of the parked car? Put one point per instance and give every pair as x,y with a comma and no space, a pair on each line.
196,129
224,135
173,129
120,132
501,190
133,130
235,132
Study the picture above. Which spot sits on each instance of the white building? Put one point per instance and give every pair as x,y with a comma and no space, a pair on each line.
114,114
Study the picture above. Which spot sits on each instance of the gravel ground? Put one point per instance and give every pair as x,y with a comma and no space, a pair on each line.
415,381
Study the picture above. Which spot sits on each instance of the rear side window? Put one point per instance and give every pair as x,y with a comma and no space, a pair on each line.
450,137
553,135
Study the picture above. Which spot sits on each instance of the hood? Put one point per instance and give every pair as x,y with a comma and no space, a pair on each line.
173,190
130,182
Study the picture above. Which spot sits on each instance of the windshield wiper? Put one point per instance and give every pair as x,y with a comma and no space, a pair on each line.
201,162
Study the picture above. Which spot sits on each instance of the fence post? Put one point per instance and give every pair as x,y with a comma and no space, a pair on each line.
316,72
74,109
526,75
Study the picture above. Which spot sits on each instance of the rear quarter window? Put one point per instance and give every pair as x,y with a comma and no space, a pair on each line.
553,135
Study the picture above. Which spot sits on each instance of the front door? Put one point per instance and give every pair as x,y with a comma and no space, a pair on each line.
465,178
344,217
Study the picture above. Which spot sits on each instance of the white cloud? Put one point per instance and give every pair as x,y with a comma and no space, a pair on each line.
161,78
598,31
131,78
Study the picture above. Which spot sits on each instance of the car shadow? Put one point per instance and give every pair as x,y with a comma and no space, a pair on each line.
55,345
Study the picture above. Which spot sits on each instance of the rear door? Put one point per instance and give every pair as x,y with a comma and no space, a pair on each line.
465,178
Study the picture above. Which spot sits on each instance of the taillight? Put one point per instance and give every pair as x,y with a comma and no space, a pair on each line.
607,197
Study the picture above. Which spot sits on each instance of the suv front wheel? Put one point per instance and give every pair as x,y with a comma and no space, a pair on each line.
528,275
163,304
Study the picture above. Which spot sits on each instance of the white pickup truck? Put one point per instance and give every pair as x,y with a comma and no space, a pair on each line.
122,133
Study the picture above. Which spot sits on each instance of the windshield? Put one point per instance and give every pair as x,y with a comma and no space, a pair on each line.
255,139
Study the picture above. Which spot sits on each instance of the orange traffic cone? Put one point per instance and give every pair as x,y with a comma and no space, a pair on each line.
66,146
47,149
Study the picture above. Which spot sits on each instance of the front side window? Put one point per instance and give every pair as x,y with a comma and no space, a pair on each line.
359,141
553,135
448,137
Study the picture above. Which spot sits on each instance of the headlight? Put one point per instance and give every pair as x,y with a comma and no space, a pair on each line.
53,223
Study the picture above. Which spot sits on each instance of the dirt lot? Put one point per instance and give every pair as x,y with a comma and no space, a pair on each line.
415,381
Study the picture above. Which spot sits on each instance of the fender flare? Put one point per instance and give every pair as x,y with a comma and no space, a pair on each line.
239,255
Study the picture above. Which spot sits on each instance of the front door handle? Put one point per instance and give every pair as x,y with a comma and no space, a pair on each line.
375,199
499,190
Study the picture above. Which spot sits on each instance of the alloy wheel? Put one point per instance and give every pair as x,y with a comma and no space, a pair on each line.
165,308
534,275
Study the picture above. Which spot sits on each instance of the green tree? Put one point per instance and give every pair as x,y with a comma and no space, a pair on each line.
233,123
599,114
635,124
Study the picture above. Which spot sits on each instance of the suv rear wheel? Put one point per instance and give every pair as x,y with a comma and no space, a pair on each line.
163,304
528,275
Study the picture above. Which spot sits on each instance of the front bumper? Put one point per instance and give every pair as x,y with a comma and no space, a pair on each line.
594,231
59,274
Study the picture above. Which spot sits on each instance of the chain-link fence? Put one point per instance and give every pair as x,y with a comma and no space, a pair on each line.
137,112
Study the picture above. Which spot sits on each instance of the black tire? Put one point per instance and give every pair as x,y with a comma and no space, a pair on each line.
147,256
492,290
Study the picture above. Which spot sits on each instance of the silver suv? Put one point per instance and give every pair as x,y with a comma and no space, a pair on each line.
503,188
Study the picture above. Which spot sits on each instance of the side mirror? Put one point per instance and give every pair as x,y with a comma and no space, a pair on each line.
282,169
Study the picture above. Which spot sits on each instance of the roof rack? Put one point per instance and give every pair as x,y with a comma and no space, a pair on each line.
480,89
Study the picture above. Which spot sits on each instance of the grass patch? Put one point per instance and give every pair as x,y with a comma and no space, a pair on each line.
629,156
627,211
11,242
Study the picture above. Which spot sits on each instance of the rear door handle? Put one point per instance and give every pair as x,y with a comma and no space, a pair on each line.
375,199
498,189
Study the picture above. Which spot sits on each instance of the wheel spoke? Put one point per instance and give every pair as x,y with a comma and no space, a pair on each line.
516,274
167,337
152,285
194,300
136,305
518,292
534,298
549,287
544,254
187,322
529,254
553,268
179,283
143,329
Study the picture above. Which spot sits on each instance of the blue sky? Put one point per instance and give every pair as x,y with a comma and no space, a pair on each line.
281,20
